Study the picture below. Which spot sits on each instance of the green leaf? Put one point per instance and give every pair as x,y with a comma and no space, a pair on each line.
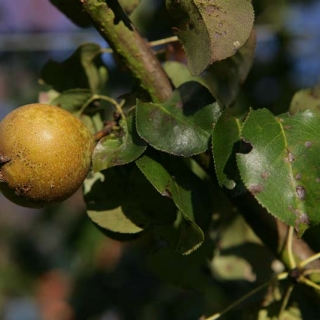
179,73
84,69
211,30
172,178
224,78
129,5
72,100
306,99
122,200
282,170
226,133
181,126
186,271
73,11
115,150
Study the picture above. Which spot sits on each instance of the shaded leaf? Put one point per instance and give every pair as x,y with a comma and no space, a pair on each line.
181,126
306,99
84,69
115,150
224,78
173,179
73,11
129,5
212,30
282,170
225,134
122,200
186,271
72,100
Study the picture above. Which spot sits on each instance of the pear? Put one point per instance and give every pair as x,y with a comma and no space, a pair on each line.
45,155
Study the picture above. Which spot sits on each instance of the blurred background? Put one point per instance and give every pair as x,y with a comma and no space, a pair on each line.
54,263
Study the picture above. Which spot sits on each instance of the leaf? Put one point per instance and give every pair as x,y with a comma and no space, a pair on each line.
118,150
282,170
226,133
72,10
72,100
292,313
129,5
224,78
179,73
102,194
122,200
173,179
84,69
306,99
211,30
186,271
181,126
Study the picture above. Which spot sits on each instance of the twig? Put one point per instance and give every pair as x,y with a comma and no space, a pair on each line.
292,261
122,36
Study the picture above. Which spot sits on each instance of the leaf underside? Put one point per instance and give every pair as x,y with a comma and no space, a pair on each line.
211,30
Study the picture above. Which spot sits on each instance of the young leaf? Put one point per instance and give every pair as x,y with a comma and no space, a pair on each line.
214,30
173,179
181,126
84,70
282,170
118,150
225,133
72,100
306,99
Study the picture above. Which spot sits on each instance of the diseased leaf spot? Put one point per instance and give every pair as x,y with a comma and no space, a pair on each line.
256,188
318,180
265,175
301,192
308,144
298,176
290,157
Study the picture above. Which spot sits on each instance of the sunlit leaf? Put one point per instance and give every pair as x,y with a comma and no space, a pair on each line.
306,99
282,170
181,126
115,150
211,30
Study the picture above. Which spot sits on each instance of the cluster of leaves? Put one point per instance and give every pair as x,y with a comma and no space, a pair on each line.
161,166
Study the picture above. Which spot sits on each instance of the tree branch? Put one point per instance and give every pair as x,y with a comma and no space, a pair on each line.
117,29
273,232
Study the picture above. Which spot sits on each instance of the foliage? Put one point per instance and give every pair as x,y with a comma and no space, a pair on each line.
179,170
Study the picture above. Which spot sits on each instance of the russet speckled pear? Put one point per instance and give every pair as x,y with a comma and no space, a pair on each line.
45,155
